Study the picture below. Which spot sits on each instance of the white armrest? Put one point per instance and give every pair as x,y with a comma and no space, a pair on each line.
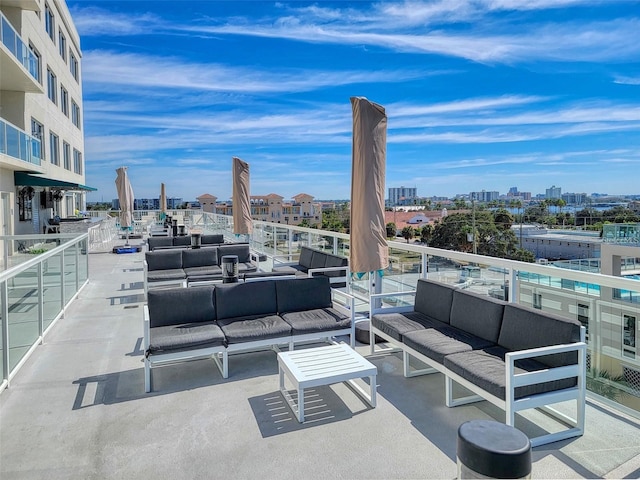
146,328
548,374
388,309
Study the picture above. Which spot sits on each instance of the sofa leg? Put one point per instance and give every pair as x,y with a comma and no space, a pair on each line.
224,365
147,376
456,402
406,364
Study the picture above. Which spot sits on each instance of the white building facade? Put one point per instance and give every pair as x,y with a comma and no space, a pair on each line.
42,165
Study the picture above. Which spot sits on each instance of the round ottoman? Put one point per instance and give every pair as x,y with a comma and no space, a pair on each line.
362,332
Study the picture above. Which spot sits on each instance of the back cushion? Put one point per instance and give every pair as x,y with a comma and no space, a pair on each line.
477,314
175,306
241,250
318,259
164,259
209,239
434,299
335,261
295,295
155,242
524,328
305,257
183,241
199,257
245,299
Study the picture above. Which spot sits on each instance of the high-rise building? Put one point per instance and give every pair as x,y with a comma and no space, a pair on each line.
484,196
402,195
553,192
42,165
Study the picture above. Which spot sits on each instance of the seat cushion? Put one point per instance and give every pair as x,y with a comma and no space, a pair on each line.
291,269
304,260
318,259
335,261
166,275
164,259
254,328
477,314
247,267
397,324
173,338
183,241
523,328
156,242
212,239
316,320
442,340
199,257
245,299
176,306
240,249
486,369
299,294
434,299
212,271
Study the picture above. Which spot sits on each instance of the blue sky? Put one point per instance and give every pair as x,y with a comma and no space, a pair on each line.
479,94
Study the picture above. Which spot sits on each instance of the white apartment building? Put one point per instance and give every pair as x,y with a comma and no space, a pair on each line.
42,171
402,195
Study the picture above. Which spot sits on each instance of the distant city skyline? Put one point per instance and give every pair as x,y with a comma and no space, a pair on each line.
480,94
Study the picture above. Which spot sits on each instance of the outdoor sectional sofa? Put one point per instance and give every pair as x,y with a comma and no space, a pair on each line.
516,357
177,266
316,262
213,321
184,241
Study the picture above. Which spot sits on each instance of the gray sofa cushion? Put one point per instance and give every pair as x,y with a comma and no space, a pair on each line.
247,267
212,239
176,306
199,257
174,338
316,320
164,259
524,328
335,261
396,325
434,299
298,294
245,299
157,242
486,369
304,260
290,269
318,259
166,275
477,314
183,241
207,271
443,340
254,327
239,249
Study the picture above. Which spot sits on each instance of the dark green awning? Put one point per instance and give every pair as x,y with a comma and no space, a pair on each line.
27,180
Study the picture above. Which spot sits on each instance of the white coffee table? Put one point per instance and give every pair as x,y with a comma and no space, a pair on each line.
313,367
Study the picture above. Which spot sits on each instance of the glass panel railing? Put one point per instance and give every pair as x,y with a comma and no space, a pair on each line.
70,272
23,302
18,144
17,47
52,289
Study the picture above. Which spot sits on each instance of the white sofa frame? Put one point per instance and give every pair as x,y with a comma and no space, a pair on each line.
220,354
510,404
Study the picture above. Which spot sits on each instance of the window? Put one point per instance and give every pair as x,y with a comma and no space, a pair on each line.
38,63
37,131
75,113
64,100
537,301
53,146
62,45
49,22
629,336
51,86
77,161
73,65
66,155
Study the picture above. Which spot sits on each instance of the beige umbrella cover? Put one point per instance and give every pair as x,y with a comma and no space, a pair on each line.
368,250
125,196
242,222
163,202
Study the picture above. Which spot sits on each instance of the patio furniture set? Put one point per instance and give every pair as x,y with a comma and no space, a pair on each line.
312,262
184,241
515,357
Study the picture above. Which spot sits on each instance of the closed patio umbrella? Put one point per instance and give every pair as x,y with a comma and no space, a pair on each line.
125,196
242,222
163,202
368,249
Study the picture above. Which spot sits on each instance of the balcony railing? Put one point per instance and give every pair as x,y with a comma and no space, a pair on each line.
17,47
621,234
40,276
19,144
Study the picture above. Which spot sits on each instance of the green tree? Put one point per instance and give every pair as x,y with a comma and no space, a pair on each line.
408,233
391,229
426,232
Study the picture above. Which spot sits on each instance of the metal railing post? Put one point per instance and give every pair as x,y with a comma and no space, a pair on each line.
4,299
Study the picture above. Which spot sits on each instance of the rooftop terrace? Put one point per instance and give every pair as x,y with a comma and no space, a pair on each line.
77,409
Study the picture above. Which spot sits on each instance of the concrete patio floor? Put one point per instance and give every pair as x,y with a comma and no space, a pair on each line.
77,409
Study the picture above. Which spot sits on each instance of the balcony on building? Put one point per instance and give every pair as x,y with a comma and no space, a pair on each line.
19,66
18,150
